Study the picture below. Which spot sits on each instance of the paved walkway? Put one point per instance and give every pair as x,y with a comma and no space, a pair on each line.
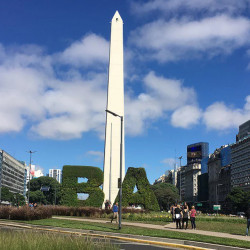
170,226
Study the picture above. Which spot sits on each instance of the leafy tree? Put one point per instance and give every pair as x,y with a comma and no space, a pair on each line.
238,200
166,194
18,200
37,197
45,181
6,195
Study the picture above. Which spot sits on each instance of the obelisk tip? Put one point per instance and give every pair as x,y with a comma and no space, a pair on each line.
117,17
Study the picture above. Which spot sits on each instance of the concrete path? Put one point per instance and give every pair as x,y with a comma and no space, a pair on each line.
170,226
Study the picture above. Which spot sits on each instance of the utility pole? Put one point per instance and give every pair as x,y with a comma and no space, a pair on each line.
180,175
119,179
30,152
55,187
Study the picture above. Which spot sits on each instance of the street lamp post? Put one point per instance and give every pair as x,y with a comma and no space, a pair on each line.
180,175
30,152
121,149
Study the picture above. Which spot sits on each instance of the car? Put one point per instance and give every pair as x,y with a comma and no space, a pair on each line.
241,214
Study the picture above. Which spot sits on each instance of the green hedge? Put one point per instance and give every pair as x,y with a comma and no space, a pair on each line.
144,196
70,186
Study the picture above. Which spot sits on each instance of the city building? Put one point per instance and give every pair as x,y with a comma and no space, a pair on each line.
240,168
219,175
192,171
214,167
244,131
56,174
38,173
12,173
203,189
180,184
224,183
195,154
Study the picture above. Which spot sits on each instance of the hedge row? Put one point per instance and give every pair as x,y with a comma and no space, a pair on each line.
89,211
45,212
25,213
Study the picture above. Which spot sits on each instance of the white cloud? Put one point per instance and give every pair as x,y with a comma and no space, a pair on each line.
186,116
161,96
91,50
55,104
97,154
185,38
170,162
220,117
204,6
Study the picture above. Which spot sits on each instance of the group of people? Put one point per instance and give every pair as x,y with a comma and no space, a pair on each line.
181,215
33,205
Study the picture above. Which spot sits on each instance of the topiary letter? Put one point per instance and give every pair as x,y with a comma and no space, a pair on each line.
70,186
144,196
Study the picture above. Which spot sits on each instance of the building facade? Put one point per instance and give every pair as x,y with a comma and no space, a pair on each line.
12,173
195,154
191,173
240,169
214,167
244,131
56,174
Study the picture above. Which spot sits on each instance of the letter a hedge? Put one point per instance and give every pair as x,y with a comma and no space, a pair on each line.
144,196
70,186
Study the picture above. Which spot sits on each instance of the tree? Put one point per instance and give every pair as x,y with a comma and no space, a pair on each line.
166,194
6,195
37,197
238,200
18,200
45,181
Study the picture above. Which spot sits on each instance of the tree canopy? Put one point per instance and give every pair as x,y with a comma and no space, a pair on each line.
166,194
45,197
15,198
238,200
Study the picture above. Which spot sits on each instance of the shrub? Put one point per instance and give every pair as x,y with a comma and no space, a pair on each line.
4,212
25,213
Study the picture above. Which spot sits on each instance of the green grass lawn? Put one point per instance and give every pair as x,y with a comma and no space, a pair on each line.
39,241
224,225
139,231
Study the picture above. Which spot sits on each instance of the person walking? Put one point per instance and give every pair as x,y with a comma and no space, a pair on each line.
248,220
192,217
115,212
185,213
178,214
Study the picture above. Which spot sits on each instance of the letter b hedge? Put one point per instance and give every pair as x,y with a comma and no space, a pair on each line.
70,186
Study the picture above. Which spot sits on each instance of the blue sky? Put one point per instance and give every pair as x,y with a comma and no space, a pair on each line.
187,78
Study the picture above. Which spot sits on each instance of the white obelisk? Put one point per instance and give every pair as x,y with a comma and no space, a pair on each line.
115,104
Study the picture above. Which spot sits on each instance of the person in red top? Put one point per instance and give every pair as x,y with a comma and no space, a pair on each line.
192,217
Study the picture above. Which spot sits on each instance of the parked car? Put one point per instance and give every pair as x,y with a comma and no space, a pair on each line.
241,214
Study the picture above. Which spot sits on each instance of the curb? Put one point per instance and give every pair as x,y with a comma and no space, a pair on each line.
166,244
